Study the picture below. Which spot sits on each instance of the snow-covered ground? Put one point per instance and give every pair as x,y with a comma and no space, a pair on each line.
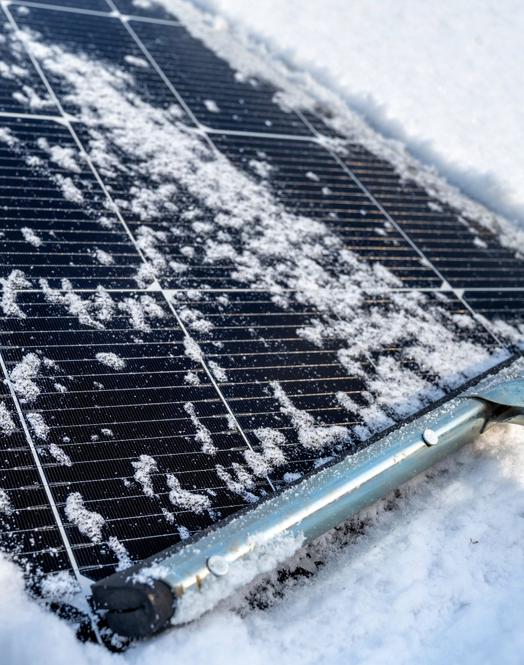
435,574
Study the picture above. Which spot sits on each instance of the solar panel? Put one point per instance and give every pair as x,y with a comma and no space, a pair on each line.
206,293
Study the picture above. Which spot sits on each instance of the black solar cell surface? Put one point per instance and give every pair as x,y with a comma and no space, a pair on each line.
147,395
50,207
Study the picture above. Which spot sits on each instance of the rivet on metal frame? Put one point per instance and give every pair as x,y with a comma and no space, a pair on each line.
218,565
430,437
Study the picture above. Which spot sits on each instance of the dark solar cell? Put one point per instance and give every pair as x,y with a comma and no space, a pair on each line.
103,38
54,221
217,96
260,344
498,305
100,413
21,90
88,5
466,255
28,527
306,178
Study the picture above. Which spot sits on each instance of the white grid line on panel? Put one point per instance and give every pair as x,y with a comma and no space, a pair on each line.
123,222
92,12
84,582
445,284
125,22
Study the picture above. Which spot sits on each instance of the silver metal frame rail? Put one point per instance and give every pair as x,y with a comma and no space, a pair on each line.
181,583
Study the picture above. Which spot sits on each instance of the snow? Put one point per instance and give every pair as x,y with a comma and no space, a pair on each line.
203,435
15,280
211,106
144,467
271,456
31,237
218,372
7,425
192,379
185,499
111,360
59,587
5,503
87,522
23,377
75,304
122,555
104,257
60,456
432,574
310,434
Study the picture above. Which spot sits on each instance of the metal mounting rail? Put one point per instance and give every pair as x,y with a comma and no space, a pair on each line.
184,581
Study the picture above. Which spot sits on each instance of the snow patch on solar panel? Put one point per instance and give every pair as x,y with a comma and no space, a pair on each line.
203,435
264,246
7,425
144,467
111,360
88,522
23,377
5,503
60,456
40,428
31,237
10,285
186,499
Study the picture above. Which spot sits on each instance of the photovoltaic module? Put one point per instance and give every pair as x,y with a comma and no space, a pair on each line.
209,288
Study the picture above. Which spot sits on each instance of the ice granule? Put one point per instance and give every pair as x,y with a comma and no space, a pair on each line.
110,359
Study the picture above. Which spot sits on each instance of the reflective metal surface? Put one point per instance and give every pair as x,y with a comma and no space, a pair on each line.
258,539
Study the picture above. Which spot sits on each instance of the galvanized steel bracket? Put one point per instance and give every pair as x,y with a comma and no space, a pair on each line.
184,581
507,400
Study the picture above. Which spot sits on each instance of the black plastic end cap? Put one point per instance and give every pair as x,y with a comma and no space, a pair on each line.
134,609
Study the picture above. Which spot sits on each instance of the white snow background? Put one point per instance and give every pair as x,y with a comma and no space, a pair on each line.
435,574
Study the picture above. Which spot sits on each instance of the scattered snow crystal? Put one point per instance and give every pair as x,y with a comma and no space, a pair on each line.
137,62
15,280
192,379
103,257
218,372
22,377
5,503
59,587
203,435
31,237
111,360
122,555
7,425
272,455
185,499
193,350
59,455
211,106
73,301
240,486
40,428
145,466
87,522
310,435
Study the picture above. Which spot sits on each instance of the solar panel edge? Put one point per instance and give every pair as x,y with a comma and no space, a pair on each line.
458,292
